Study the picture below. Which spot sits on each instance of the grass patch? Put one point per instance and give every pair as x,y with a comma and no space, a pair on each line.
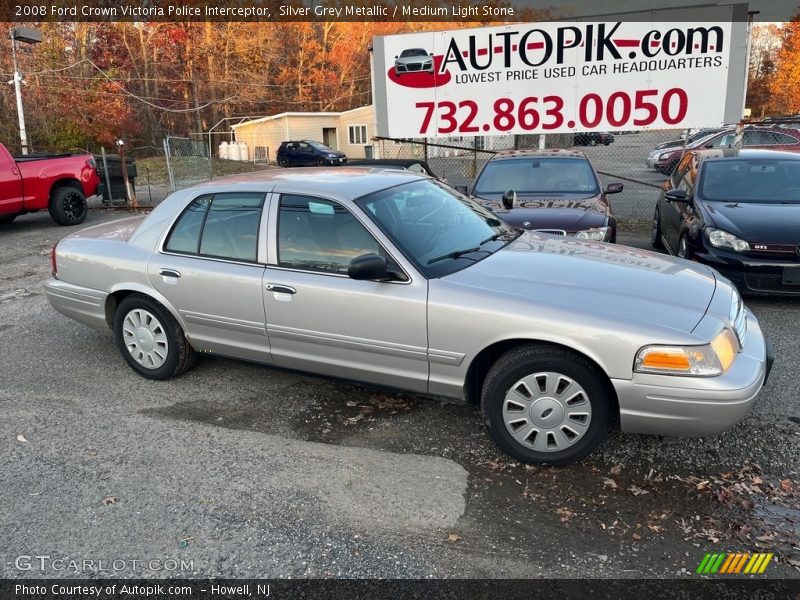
154,170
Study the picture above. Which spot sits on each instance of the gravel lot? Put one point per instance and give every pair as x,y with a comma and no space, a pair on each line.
242,470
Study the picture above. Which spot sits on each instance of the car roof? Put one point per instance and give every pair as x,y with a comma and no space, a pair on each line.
755,153
545,153
339,182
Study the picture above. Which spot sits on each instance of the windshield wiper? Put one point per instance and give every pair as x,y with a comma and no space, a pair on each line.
512,235
455,254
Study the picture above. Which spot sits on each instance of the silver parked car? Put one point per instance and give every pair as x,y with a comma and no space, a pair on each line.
413,60
393,278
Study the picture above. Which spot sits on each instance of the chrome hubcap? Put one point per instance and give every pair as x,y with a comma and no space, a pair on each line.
145,338
547,412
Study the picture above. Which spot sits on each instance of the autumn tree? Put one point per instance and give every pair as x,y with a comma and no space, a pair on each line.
785,83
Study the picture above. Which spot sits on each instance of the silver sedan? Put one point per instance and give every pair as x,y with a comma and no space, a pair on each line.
393,278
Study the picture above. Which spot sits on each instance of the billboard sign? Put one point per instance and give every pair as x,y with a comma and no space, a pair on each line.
558,77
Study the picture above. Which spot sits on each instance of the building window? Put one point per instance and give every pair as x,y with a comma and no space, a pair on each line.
358,134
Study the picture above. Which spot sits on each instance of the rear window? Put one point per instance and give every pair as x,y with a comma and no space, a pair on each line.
538,175
219,226
738,180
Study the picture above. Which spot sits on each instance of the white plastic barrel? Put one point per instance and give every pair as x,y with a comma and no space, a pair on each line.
223,150
234,152
244,154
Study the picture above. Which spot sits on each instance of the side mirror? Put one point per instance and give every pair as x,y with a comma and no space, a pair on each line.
676,196
461,188
509,199
370,267
614,188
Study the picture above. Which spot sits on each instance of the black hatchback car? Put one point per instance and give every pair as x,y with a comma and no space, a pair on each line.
737,211
306,153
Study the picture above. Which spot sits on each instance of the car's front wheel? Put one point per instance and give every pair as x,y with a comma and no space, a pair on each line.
545,404
150,339
655,231
282,162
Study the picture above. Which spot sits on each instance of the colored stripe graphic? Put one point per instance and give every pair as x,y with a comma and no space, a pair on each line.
734,563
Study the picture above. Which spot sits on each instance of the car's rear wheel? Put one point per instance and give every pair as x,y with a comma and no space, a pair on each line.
655,232
593,142
68,206
150,339
546,404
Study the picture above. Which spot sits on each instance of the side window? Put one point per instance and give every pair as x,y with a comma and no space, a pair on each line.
185,235
681,170
222,226
319,235
231,227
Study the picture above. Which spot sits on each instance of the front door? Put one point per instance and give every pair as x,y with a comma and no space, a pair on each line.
320,320
210,272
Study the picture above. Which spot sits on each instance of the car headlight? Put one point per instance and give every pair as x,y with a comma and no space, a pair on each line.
331,156
722,239
704,361
664,155
596,234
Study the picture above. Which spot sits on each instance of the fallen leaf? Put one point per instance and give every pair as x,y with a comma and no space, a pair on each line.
757,480
453,537
616,470
21,438
767,537
636,536
108,501
656,528
637,491
703,485
786,485
607,482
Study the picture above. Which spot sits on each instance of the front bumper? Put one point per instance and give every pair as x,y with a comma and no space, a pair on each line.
696,406
76,302
752,275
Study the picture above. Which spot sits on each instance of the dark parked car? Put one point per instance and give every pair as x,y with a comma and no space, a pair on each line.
769,138
550,191
306,153
407,164
592,138
737,211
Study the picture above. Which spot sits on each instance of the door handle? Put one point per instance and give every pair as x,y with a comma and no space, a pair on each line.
281,289
169,273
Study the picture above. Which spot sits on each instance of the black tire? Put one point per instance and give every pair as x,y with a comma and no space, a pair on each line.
321,162
684,249
8,219
593,142
68,206
655,232
282,162
180,356
535,359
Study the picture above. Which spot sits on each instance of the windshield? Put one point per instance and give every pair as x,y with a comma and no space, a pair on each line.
413,52
437,228
739,180
537,175
320,146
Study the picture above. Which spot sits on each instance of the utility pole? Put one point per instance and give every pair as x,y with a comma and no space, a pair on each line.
30,36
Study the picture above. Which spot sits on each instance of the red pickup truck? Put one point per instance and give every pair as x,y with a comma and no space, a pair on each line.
58,182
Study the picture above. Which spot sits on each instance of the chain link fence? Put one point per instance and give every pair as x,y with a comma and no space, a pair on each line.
642,161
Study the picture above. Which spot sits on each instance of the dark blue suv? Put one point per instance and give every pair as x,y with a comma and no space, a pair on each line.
308,152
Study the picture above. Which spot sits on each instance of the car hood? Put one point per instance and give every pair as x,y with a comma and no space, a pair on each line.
596,278
756,222
570,212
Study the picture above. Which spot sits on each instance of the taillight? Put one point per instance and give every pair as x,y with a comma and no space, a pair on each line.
53,265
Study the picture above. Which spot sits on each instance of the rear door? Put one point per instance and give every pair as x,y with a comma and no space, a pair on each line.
210,270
